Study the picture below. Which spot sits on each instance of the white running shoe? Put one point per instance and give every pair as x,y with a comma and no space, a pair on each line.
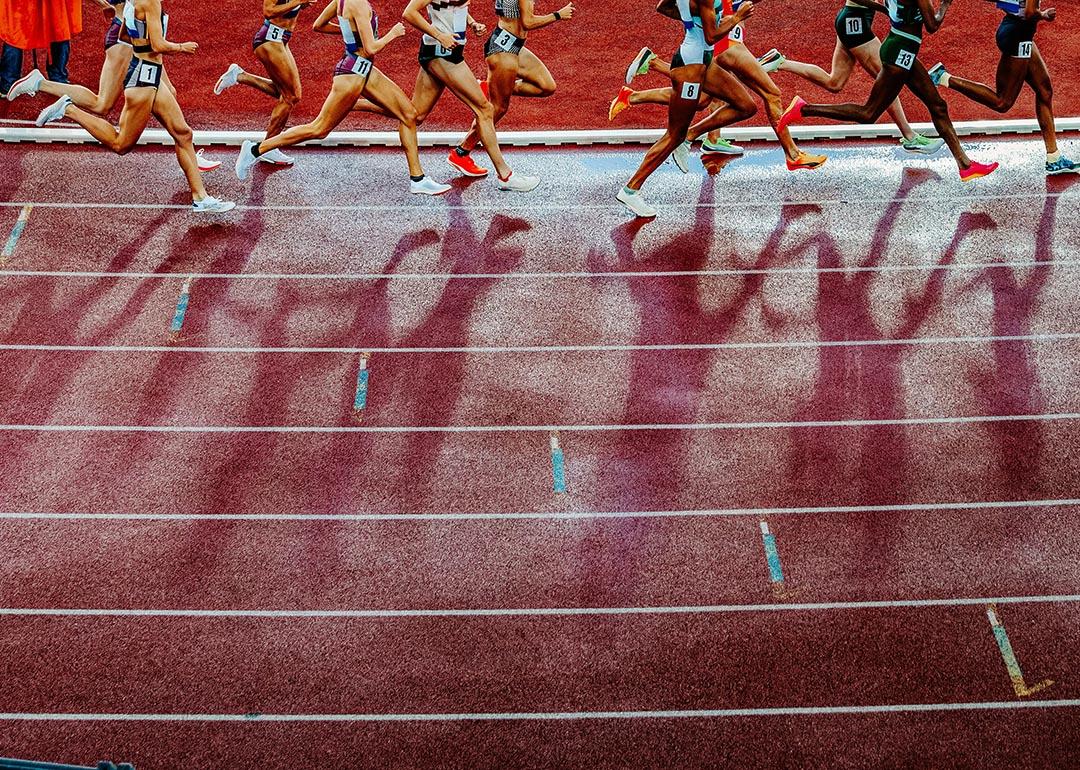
27,85
229,79
636,204
276,158
211,205
640,64
681,157
54,111
205,164
428,186
246,160
518,183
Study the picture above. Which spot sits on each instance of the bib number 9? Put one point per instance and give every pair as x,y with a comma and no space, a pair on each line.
736,34
503,40
854,26
691,91
905,59
1023,51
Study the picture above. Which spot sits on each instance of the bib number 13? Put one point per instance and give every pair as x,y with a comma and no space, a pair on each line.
905,59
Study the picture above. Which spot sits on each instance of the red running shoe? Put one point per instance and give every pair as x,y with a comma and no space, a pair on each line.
977,171
465,164
793,114
620,102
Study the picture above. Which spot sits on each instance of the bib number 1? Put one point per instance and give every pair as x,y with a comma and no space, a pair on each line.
148,75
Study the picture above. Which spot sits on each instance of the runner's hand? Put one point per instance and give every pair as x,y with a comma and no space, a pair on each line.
567,11
1049,14
189,47
479,28
746,10
396,31
447,41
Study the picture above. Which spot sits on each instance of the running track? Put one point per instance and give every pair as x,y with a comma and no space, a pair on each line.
211,559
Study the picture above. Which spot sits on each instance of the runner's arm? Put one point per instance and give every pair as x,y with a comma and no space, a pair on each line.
325,23
932,19
414,14
716,30
531,21
373,45
156,35
271,7
873,6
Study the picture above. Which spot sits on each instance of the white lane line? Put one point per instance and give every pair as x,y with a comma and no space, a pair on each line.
1067,264
427,210
764,345
503,612
537,716
598,428
976,505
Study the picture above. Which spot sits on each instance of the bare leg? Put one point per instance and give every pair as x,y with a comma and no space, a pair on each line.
502,80
842,65
920,84
740,62
1011,76
1038,77
110,84
339,102
869,57
281,66
138,106
737,104
171,117
461,82
680,114
383,90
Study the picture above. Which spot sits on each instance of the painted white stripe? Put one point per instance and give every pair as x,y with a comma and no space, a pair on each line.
513,716
1065,264
975,505
550,138
511,612
598,428
725,204
777,344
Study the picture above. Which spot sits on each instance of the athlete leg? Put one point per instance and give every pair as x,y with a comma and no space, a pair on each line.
385,91
534,78
842,65
1038,77
887,86
681,112
1011,76
339,102
138,107
461,82
733,102
502,74
281,66
110,84
426,94
740,62
868,56
171,117
920,84
265,85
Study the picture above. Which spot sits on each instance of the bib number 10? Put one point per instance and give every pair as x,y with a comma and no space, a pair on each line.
905,59
854,26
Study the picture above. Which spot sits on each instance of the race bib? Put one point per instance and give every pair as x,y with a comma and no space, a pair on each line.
691,91
362,66
149,74
503,39
1023,51
736,34
854,25
275,34
905,60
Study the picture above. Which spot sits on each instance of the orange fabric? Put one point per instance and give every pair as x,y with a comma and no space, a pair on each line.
30,24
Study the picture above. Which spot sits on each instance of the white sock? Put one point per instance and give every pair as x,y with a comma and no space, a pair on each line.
1053,157
945,80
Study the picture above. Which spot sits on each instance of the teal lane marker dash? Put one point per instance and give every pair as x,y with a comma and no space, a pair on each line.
1012,665
558,465
181,308
16,233
776,572
360,399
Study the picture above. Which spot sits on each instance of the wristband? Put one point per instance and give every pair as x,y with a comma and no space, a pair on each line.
557,16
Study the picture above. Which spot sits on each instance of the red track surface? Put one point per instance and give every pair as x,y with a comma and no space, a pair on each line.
588,58
462,613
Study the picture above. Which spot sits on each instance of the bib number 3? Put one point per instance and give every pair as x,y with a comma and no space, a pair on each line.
504,40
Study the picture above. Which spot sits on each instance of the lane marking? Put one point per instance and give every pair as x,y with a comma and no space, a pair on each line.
558,275
511,612
558,465
182,303
1012,665
16,233
772,558
425,211
977,505
362,377
689,346
788,711
596,428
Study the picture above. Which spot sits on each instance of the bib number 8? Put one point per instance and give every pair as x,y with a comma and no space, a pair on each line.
1024,50
691,91
854,26
905,59
504,40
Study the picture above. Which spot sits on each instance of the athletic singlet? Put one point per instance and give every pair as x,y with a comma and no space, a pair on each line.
736,34
692,50
1012,7
450,17
136,29
353,42
508,9
903,13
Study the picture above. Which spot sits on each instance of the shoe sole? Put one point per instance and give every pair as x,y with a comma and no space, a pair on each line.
209,167
921,151
726,153
1059,172
805,166
632,70
463,172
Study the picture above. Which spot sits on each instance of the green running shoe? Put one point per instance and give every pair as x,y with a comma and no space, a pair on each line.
640,64
720,147
921,145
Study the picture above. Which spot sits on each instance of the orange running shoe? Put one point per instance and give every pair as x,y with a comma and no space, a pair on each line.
793,114
465,164
620,103
977,171
806,161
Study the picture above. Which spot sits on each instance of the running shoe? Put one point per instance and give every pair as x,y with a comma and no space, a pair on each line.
681,157
205,164
633,201
465,164
620,103
54,111
771,60
937,72
518,183
1062,166
427,186
211,205
977,171
719,147
806,161
793,114
27,85
640,64
246,160
229,79
921,145
276,158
